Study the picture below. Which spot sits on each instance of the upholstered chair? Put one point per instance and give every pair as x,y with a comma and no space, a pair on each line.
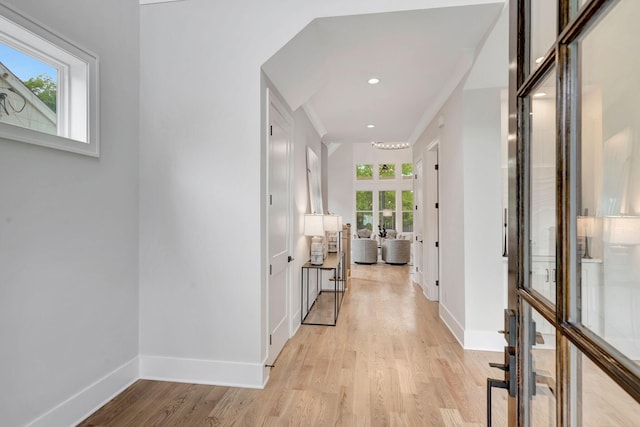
364,251
396,251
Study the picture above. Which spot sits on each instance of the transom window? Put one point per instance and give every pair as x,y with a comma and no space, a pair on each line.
48,87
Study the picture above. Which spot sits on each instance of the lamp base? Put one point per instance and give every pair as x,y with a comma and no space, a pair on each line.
317,251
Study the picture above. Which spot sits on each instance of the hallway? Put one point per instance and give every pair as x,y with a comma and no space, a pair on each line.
389,361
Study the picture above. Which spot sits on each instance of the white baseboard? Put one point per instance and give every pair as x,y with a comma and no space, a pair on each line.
452,323
87,401
484,340
431,291
198,371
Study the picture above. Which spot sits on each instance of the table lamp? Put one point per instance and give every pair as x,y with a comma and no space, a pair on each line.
314,226
332,224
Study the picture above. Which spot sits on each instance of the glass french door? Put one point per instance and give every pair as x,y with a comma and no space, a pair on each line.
574,211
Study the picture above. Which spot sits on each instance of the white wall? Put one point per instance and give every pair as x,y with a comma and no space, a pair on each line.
451,208
201,278
484,281
341,192
470,179
304,136
69,238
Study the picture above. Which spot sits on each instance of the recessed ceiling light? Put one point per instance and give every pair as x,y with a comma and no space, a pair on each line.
371,126
539,95
539,60
373,81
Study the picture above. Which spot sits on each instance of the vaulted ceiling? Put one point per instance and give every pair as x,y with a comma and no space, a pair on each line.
418,56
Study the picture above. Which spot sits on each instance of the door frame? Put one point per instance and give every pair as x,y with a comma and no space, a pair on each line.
419,221
432,183
571,336
272,99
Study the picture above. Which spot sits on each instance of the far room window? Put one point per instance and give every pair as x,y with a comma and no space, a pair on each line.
407,211
48,87
364,171
387,209
364,210
407,170
387,171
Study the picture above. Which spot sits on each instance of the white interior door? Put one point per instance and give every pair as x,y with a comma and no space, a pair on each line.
432,239
279,228
418,226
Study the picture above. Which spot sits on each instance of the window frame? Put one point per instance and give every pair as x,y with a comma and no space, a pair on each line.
77,85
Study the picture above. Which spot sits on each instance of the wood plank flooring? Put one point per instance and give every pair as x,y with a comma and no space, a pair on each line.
389,361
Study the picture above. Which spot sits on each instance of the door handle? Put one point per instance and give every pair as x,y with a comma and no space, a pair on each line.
290,258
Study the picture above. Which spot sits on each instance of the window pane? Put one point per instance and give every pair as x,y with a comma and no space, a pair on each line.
387,200
407,211
28,91
604,403
544,27
364,220
609,225
387,171
364,171
364,200
407,170
387,205
407,200
364,210
543,188
407,222
388,222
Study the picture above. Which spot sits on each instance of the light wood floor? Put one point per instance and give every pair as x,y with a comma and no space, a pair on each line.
390,361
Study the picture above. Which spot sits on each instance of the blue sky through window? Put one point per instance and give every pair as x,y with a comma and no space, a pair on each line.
24,66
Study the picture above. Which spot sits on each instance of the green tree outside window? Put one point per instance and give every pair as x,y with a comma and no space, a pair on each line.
364,172
407,211
387,171
44,88
407,170
364,210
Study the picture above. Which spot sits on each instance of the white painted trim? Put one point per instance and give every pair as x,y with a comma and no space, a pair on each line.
430,290
484,340
450,321
143,2
87,401
200,371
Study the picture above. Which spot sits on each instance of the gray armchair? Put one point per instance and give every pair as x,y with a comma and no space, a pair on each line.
364,251
396,251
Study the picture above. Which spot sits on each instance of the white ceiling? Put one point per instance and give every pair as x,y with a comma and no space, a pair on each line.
419,57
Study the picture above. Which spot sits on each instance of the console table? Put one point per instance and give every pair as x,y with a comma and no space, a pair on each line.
317,307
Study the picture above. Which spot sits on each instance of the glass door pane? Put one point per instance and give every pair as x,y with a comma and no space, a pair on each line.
544,27
540,362
608,227
542,187
604,403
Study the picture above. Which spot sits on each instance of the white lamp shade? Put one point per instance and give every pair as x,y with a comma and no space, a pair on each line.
387,212
588,226
331,223
313,225
339,222
622,230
